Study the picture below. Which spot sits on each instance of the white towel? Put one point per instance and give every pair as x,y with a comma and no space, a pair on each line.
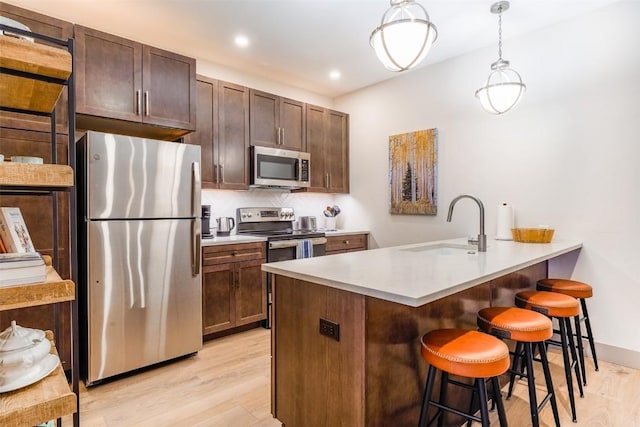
304,249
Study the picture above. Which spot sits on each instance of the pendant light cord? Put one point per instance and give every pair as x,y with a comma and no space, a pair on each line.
500,34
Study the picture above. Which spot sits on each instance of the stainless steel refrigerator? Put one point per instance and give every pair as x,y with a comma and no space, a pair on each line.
141,291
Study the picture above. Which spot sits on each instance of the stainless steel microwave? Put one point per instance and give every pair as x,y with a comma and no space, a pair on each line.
274,167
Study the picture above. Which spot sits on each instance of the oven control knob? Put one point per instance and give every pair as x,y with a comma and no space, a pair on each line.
249,215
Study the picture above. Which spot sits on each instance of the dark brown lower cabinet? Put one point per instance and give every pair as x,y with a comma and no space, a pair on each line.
346,243
234,290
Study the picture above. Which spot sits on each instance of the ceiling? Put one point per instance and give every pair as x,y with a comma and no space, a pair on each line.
298,42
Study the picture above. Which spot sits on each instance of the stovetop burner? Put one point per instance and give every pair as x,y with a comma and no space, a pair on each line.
272,223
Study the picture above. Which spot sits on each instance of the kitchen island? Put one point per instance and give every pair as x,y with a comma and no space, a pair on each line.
346,329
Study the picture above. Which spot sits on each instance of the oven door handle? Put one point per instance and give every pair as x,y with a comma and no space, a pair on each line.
280,244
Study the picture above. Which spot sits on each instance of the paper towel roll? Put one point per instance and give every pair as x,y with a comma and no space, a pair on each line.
505,222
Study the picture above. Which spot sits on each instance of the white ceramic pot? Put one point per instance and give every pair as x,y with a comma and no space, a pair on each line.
21,352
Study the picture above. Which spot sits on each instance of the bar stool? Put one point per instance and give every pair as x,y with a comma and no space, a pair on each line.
530,330
580,291
465,353
563,308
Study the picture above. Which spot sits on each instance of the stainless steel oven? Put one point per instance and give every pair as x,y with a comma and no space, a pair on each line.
283,243
285,250
274,167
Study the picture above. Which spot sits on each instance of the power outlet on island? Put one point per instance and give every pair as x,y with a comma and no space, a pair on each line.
330,329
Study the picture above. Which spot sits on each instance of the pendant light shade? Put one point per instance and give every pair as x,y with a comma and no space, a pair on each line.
503,88
404,36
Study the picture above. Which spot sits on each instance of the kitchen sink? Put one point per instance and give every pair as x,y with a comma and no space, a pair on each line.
444,249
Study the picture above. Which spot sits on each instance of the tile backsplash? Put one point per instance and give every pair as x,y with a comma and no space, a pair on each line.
225,203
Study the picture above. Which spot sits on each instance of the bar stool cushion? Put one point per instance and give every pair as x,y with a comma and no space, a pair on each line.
573,288
515,324
552,304
466,353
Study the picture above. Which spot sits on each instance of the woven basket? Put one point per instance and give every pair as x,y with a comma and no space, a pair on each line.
532,235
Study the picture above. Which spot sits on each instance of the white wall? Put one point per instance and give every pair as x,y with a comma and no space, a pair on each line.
221,72
567,156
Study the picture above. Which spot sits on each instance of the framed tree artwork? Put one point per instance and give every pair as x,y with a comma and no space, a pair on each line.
413,172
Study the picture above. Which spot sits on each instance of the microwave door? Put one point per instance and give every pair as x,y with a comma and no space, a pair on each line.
274,170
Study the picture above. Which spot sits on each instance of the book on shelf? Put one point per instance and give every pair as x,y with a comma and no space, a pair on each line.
13,231
21,269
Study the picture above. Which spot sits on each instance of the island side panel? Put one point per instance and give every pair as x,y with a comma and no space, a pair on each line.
318,381
505,288
395,369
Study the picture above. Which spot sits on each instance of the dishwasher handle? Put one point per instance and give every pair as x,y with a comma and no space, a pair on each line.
280,244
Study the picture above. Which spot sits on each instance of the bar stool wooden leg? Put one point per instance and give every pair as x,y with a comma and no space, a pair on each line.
585,315
482,395
547,378
578,337
427,396
502,416
567,368
443,396
514,363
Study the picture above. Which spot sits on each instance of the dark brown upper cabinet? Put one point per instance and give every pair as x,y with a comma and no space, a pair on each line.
277,122
328,144
127,87
222,132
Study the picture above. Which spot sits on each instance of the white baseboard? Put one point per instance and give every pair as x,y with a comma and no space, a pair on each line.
617,355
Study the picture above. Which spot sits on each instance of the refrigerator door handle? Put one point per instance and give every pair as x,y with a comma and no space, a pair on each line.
196,227
195,189
196,238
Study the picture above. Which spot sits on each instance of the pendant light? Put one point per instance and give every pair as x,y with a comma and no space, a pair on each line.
404,36
503,88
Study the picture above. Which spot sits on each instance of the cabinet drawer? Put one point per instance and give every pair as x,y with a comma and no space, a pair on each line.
352,242
219,254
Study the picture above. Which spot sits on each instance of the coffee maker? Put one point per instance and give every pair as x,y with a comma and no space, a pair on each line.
206,225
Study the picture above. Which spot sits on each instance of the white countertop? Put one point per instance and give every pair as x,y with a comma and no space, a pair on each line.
240,238
343,232
234,238
415,278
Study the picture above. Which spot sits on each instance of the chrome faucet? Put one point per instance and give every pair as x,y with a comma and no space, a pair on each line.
482,238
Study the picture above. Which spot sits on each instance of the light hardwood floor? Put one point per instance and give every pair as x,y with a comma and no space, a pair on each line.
228,384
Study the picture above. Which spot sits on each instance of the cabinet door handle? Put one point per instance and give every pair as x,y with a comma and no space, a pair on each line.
215,173
146,103
221,173
138,103
282,138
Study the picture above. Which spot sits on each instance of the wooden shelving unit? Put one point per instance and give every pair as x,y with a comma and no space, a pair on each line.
53,291
38,176
44,400
32,76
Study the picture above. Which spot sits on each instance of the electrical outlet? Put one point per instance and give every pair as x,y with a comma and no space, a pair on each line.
330,329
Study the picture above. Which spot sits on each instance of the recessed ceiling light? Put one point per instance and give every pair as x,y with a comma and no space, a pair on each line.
241,41
334,75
